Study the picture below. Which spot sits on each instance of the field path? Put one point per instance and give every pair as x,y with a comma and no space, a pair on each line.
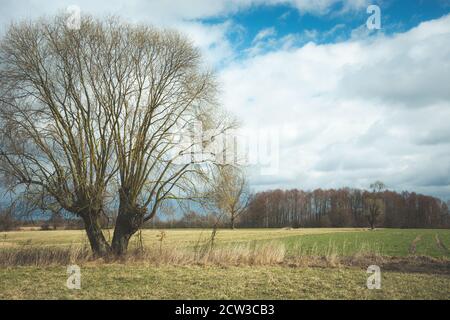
413,247
441,245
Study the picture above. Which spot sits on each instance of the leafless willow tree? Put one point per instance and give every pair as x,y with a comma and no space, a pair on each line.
373,209
229,193
374,205
92,113
168,95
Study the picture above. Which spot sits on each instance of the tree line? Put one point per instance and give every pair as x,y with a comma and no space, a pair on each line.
345,207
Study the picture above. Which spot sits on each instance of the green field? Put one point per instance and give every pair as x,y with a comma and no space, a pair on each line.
278,279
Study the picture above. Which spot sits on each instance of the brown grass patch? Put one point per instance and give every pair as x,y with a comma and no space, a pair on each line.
264,254
43,256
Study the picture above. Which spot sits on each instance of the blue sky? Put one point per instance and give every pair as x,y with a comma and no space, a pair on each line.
348,105
331,25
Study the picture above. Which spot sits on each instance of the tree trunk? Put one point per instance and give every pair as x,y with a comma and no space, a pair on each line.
232,222
372,221
129,220
99,245
122,234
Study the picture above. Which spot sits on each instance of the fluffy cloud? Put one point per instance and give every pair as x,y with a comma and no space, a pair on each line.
373,108
212,39
184,15
168,10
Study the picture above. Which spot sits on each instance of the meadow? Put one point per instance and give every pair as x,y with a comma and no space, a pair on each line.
239,264
314,241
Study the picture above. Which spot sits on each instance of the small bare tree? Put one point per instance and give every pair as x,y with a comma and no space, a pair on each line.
229,193
8,220
377,186
374,204
373,209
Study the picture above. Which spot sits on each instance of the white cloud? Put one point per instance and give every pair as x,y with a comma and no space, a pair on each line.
362,110
324,6
166,11
265,33
181,14
212,40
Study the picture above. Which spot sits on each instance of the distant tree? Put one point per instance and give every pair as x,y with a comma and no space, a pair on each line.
377,186
229,193
445,214
341,213
373,209
374,203
56,220
169,211
356,205
8,220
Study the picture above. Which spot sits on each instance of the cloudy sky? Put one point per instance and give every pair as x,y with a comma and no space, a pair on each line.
350,105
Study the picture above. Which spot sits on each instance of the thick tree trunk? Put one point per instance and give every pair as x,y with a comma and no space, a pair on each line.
122,234
129,220
99,245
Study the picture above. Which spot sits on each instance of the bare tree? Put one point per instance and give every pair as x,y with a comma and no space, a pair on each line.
87,114
229,193
169,212
374,208
377,186
167,102
374,204
8,219
54,129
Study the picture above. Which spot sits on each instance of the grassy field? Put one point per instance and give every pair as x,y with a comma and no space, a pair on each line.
177,237
274,278
193,282
345,241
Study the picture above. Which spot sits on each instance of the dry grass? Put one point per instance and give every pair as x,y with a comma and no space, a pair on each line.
43,256
174,237
388,242
244,254
302,252
263,264
139,281
231,255
267,253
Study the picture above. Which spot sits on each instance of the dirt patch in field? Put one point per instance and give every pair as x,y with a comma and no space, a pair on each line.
412,264
413,247
416,264
440,244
